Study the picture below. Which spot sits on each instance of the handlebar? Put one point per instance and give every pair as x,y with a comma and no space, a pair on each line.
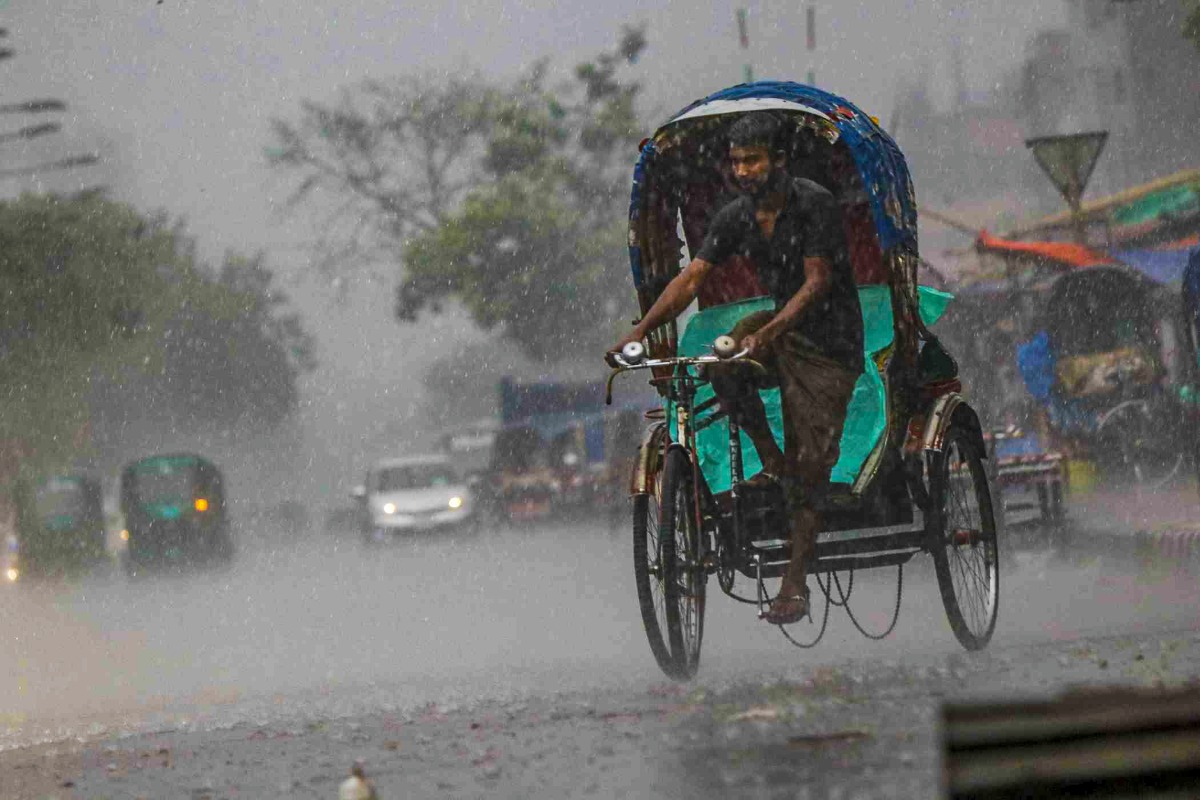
621,364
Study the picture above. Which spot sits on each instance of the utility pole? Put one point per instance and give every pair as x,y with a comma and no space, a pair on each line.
810,37
744,41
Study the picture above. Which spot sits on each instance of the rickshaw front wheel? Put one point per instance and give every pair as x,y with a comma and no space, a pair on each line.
962,531
670,578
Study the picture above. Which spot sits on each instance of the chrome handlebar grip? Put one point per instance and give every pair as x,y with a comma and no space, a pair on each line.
622,364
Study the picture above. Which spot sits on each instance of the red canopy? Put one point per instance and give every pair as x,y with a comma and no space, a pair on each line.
1068,253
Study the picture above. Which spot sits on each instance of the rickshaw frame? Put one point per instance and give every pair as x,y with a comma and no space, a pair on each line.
925,420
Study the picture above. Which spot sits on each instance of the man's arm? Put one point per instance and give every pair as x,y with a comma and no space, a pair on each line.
678,295
818,276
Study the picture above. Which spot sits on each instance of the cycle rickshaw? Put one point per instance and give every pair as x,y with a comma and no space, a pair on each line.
1108,363
911,476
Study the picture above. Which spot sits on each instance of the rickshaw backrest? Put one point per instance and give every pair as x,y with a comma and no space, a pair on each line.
866,418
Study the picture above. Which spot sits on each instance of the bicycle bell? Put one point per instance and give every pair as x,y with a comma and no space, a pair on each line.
633,352
725,347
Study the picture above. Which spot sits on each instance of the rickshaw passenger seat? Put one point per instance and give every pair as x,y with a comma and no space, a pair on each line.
866,418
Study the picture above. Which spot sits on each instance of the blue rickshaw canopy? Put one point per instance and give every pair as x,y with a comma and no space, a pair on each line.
879,162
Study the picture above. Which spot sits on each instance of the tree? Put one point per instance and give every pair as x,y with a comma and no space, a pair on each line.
1191,23
231,355
506,198
106,308
82,280
392,158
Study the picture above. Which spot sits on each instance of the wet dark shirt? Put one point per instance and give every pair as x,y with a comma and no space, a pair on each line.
809,225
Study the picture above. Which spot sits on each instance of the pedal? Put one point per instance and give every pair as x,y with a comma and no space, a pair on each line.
770,544
838,497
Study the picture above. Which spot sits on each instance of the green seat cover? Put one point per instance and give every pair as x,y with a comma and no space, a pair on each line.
866,417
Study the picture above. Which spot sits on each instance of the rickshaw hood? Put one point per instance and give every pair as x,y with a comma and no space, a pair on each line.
880,164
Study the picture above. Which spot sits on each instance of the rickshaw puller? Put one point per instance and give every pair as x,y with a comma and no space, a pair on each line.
811,345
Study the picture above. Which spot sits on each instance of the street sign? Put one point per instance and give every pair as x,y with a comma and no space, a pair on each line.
1068,161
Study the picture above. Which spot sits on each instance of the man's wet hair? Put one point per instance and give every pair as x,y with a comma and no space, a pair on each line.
757,129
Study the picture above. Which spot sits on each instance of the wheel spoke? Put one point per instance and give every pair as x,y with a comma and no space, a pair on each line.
968,542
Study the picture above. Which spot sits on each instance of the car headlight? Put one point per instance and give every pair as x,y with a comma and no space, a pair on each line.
456,502
389,508
12,574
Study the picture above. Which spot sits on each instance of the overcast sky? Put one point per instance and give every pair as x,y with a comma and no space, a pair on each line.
177,96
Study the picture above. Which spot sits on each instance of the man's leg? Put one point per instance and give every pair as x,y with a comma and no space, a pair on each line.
748,411
815,393
737,388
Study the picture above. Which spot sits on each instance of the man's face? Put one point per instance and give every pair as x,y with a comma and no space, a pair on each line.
752,167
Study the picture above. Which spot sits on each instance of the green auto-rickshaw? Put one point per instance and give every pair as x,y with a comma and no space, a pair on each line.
60,527
175,512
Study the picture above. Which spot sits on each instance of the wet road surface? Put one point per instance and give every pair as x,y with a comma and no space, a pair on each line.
513,664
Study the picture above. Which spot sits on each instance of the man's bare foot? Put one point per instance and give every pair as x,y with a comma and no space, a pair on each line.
762,480
788,606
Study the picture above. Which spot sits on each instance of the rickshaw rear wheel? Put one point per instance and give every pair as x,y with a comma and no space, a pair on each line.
963,542
670,580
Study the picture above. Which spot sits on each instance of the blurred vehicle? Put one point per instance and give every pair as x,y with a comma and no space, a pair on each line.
521,484
414,495
1105,365
174,509
560,451
1032,478
1101,372
59,528
470,446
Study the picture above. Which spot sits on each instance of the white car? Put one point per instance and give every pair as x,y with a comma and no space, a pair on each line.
412,495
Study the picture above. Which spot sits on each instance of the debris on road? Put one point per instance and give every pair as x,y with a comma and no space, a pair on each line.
357,786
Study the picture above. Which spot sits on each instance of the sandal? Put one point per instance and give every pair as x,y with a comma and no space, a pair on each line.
762,480
787,609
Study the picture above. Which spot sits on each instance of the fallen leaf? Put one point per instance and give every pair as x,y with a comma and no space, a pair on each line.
837,737
756,713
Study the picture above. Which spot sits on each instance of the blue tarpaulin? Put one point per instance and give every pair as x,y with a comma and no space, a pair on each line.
552,408
1035,360
1160,266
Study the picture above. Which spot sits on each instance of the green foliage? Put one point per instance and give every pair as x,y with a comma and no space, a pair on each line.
82,280
509,199
519,259
99,297
536,249
230,355
1191,23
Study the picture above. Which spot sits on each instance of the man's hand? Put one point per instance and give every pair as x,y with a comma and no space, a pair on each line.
632,336
678,295
758,341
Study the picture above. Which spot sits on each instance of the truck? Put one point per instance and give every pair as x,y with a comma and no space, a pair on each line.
554,451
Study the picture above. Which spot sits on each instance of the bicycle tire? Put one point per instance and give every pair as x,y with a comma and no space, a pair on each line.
647,571
964,547
684,579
